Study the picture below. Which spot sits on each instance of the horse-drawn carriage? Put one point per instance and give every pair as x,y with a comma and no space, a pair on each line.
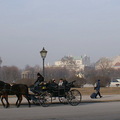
44,96
63,94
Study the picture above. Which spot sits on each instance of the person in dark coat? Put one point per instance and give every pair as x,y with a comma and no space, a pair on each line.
40,79
65,82
53,84
97,88
35,87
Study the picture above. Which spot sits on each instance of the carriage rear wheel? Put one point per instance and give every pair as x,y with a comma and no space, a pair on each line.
45,99
62,100
74,97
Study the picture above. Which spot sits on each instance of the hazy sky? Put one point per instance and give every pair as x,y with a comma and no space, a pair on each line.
63,27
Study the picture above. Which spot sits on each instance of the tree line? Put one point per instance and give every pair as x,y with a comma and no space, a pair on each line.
90,74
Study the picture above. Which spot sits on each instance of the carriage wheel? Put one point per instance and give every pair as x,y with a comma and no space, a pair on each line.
74,97
45,99
62,100
37,102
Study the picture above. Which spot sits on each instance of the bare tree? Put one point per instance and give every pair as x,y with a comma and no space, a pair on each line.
10,74
68,60
104,66
79,82
57,73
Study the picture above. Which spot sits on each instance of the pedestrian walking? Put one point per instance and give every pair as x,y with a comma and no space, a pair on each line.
97,88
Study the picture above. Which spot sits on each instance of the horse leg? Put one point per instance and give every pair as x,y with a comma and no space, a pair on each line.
28,99
6,99
19,101
2,97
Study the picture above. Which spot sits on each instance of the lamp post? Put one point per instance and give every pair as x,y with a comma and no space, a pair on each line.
43,53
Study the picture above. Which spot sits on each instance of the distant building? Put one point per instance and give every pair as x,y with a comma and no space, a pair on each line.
112,63
78,63
116,62
86,60
116,65
59,64
28,75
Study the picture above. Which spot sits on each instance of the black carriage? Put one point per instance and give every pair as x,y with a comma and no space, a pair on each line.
64,94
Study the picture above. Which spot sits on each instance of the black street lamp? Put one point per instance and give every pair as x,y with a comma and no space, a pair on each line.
43,53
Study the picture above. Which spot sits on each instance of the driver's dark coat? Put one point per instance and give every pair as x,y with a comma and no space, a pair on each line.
39,80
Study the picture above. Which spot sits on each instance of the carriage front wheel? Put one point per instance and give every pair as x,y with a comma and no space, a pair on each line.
74,97
45,99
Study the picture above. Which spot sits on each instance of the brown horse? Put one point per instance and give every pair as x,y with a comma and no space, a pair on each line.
16,89
4,91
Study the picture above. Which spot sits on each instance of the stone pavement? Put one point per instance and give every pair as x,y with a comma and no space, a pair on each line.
85,99
105,98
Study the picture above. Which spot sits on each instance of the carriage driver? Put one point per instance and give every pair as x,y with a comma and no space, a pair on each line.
39,80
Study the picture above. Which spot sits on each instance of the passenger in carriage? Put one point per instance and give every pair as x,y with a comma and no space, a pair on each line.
60,82
54,84
62,86
63,83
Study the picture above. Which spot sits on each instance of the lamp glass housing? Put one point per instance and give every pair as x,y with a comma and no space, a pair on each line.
43,53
